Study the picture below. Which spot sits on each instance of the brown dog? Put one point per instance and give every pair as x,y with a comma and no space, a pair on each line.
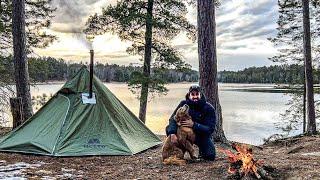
173,153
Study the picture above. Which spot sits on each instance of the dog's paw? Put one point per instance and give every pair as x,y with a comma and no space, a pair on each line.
174,161
196,160
193,156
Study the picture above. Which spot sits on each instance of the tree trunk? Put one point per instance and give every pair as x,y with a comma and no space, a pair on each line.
19,56
208,61
16,111
311,127
304,124
146,64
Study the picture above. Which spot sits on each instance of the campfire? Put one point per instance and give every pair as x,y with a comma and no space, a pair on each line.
243,164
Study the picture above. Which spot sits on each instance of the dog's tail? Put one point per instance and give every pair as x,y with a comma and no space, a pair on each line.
173,160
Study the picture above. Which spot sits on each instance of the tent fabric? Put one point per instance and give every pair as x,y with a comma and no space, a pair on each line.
65,126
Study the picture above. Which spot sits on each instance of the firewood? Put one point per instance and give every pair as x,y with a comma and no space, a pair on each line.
295,149
263,174
10,169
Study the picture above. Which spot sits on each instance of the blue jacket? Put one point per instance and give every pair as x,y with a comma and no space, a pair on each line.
202,113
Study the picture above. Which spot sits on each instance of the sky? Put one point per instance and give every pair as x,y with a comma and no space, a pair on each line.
243,27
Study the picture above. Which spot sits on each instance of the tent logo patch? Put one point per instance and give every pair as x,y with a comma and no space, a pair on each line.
94,143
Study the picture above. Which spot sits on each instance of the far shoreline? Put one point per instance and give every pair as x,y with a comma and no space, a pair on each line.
276,85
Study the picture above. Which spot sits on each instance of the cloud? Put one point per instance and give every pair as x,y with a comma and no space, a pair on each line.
232,47
247,19
243,27
258,7
69,12
74,13
236,62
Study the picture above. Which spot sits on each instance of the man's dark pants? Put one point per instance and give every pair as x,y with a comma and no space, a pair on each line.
207,150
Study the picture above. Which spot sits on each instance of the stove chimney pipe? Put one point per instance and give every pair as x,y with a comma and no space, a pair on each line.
91,72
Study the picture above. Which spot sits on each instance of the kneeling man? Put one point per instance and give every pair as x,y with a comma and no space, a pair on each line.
203,122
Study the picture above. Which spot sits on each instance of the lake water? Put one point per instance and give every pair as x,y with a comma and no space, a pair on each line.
247,116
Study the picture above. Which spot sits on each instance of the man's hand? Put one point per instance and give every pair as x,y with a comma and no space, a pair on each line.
187,123
174,138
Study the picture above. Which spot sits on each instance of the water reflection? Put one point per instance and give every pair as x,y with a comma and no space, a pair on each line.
248,116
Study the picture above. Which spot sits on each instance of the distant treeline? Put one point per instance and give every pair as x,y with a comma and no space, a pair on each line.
284,74
51,69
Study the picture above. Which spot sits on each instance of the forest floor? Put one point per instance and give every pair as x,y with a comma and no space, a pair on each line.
291,158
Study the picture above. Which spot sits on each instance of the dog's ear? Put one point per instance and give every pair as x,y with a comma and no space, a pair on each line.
177,112
177,120
187,107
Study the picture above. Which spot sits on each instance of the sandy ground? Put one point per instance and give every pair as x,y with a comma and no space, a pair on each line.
293,158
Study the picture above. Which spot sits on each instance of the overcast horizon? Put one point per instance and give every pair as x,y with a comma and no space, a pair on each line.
243,27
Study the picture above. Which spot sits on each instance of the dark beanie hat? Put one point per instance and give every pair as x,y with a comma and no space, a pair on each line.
195,88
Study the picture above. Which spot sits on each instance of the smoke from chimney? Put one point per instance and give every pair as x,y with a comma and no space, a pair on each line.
71,16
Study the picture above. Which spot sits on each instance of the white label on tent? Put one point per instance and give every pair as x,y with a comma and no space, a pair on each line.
87,100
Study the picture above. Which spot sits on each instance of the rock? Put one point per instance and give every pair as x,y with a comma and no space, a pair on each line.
68,175
80,172
311,154
43,172
47,178
42,163
295,149
67,170
2,162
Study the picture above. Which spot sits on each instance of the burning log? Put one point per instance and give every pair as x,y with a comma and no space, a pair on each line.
242,163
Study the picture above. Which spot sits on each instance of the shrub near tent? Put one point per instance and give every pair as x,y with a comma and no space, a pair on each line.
65,126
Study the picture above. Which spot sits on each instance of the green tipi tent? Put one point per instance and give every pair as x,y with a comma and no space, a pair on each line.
65,126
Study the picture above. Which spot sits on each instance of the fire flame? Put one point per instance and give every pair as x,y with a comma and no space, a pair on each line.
244,158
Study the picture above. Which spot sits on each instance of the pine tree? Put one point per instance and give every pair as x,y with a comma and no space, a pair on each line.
290,36
19,57
311,121
208,60
27,28
37,16
149,25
